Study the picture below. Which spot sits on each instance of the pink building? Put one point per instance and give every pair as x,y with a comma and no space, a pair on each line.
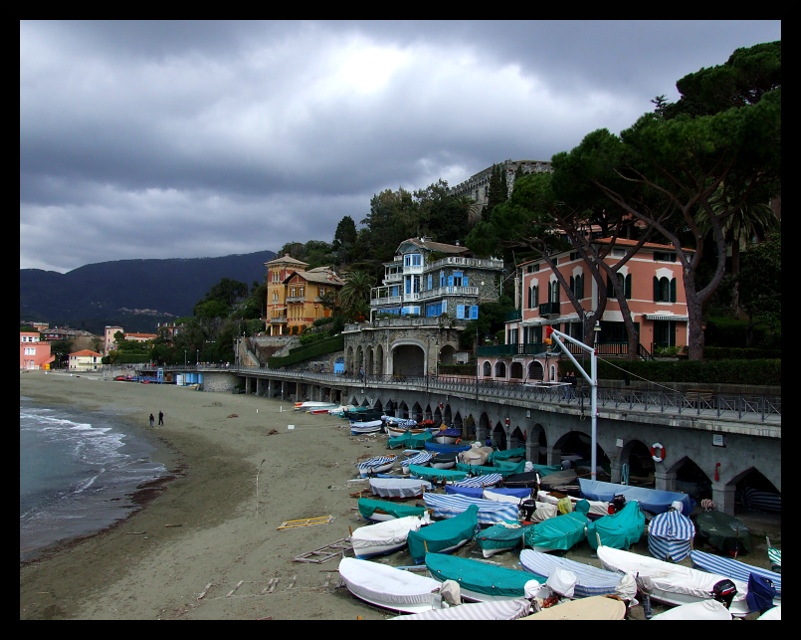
33,352
654,289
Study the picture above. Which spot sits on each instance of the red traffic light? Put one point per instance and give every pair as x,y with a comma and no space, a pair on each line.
548,332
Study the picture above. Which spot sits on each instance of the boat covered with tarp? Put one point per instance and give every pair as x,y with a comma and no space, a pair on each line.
489,511
729,535
620,530
482,581
670,535
443,536
590,580
410,440
651,500
734,569
504,536
378,510
562,532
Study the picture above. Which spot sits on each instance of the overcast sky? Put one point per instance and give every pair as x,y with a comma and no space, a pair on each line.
204,139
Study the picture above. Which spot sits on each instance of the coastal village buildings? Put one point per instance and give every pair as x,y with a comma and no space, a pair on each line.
34,353
654,290
429,292
85,360
296,295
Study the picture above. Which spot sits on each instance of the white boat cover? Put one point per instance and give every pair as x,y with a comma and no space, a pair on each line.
384,537
489,511
389,587
594,608
590,580
704,610
496,610
673,583
399,487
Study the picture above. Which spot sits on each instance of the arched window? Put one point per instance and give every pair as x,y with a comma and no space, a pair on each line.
664,289
500,370
486,370
533,296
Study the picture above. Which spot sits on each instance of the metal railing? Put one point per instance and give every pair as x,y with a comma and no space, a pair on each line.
753,409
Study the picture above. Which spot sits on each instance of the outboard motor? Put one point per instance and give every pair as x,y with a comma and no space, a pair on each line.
527,509
724,591
618,502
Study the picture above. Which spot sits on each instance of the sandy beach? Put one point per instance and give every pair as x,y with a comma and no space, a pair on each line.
207,545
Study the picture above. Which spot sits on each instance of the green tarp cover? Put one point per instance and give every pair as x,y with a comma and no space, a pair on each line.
430,473
619,530
722,531
480,577
502,536
367,507
505,455
561,532
410,440
443,534
504,468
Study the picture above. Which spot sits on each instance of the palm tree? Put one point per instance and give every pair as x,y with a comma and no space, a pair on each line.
354,297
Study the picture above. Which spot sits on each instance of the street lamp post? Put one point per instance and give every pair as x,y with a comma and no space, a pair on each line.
592,380
185,358
197,360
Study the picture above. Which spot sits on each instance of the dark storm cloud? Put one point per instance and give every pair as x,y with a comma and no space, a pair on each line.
143,139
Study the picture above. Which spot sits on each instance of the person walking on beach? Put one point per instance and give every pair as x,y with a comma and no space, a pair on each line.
161,418
152,420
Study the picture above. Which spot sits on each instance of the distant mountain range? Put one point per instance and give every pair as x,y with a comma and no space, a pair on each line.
134,294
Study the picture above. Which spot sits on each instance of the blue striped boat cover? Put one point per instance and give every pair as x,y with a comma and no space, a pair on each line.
756,500
378,461
420,458
470,492
733,569
489,511
486,480
590,580
670,536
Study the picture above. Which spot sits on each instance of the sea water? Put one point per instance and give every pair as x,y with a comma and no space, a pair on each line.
77,472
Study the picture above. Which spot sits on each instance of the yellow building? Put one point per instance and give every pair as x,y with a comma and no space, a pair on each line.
295,295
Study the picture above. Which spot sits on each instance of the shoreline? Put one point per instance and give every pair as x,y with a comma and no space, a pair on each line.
238,474
205,543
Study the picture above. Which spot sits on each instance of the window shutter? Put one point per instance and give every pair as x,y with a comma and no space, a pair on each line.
656,289
673,290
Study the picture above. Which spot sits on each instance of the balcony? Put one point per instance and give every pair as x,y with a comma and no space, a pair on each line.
549,309
442,292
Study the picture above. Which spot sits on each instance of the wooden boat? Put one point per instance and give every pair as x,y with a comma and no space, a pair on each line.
592,608
482,581
444,460
494,610
562,532
310,405
447,436
375,465
439,447
399,487
420,459
590,580
672,583
385,537
651,500
361,428
670,536
395,431
620,530
488,512
443,536
389,587
733,569
501,537
382,510
727,534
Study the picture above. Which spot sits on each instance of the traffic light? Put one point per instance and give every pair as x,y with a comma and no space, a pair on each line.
548,332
